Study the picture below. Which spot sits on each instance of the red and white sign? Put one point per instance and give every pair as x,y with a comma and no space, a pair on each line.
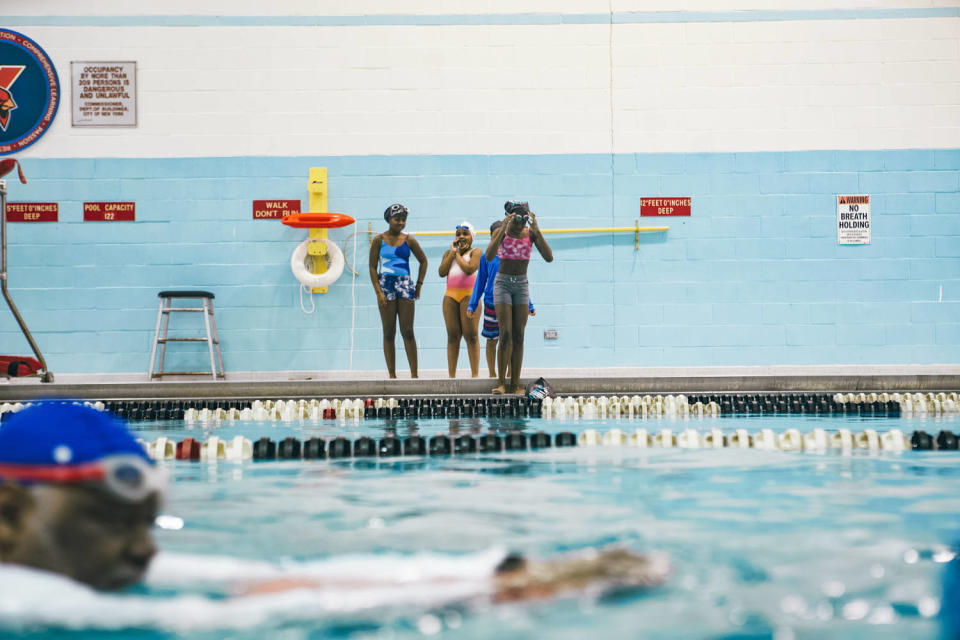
274,209
32,211
109,211
853,219
666,206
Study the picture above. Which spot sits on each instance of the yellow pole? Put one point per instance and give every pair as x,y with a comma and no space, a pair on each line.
317,188
635,230
545,231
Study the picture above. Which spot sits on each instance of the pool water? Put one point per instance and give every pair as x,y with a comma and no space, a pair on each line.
763,544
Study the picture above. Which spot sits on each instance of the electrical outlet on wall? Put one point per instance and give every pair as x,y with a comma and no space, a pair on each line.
549,334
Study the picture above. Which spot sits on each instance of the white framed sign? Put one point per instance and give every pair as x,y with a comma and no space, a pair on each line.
104,94
853,219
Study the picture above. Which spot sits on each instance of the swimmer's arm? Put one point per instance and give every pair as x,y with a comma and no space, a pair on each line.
374,262
471,265
539,240
497,238
446,262
293,583
421,258
517,579
479,286
591,571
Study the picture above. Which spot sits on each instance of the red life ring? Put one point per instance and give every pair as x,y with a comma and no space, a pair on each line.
317,220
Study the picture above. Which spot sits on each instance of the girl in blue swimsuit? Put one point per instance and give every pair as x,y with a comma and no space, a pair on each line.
390,274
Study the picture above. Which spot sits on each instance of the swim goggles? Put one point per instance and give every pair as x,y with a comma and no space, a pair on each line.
126,476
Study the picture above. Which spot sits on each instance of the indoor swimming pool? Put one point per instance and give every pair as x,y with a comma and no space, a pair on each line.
762,544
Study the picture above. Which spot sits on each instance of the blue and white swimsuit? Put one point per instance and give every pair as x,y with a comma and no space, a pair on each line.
395,280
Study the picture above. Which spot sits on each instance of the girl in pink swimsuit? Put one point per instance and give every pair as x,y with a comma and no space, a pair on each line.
459,266
513,243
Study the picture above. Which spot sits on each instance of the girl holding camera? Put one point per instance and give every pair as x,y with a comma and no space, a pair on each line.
459,266
513,243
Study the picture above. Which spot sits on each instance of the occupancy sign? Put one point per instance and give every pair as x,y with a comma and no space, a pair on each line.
32,211
274,209
104,94
666,206
853,219
109,211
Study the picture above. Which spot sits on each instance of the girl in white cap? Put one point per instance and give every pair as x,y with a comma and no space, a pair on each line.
459,266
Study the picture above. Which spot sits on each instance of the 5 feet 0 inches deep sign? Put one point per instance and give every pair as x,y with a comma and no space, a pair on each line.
29,91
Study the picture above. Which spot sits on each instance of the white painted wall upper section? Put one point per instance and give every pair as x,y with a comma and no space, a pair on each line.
842,84
433,7
544,88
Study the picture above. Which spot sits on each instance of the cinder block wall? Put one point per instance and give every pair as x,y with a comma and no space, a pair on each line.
763,114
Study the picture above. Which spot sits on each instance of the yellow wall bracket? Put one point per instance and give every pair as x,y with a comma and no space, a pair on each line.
317,188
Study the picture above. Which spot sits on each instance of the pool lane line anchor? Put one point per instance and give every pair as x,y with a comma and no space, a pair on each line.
326,258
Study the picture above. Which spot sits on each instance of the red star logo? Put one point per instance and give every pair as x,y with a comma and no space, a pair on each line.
8,75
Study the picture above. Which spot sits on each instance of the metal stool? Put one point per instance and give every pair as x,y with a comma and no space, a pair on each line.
163,315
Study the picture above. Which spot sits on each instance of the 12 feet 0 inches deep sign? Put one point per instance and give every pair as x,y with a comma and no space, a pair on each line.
666,206
29,91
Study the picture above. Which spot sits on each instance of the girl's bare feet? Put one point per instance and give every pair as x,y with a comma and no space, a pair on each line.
498,390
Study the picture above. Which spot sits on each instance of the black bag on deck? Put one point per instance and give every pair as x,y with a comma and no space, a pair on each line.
540,389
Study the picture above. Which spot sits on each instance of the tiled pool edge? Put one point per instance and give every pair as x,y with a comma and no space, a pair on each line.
566,383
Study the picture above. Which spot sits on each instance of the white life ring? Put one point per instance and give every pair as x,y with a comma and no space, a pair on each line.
334,264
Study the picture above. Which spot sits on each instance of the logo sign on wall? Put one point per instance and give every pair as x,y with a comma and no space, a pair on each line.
104,94
853,219
29,91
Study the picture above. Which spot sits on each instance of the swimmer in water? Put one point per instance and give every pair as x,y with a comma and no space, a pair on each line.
79,497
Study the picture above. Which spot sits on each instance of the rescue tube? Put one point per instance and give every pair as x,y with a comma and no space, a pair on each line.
317,220
334,264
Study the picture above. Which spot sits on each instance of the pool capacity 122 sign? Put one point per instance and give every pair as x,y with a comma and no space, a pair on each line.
853,219
109,211
666,206
274,209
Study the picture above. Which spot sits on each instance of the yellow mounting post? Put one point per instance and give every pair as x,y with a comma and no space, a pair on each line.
317,188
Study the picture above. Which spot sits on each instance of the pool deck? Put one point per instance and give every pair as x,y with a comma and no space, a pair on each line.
651,380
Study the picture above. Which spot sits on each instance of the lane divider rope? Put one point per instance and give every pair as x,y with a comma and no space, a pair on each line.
580,407
239,448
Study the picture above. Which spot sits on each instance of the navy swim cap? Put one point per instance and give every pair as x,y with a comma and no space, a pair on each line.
395,210
61,433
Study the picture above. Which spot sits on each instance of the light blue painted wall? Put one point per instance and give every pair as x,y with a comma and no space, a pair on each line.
754,277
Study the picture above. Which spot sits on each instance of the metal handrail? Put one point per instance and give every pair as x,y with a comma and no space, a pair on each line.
46,376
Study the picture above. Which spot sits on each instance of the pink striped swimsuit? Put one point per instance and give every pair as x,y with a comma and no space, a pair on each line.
515,248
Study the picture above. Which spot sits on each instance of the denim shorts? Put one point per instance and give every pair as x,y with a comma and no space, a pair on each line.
513,290
394,287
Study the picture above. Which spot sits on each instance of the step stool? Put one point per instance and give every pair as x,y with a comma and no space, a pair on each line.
163,317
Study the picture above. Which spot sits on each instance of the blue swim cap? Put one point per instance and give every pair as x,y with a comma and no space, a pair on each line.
61,433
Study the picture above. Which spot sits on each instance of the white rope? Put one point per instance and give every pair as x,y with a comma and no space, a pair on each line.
353,298
313,306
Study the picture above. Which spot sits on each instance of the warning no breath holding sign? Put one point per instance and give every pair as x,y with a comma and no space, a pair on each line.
853,219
